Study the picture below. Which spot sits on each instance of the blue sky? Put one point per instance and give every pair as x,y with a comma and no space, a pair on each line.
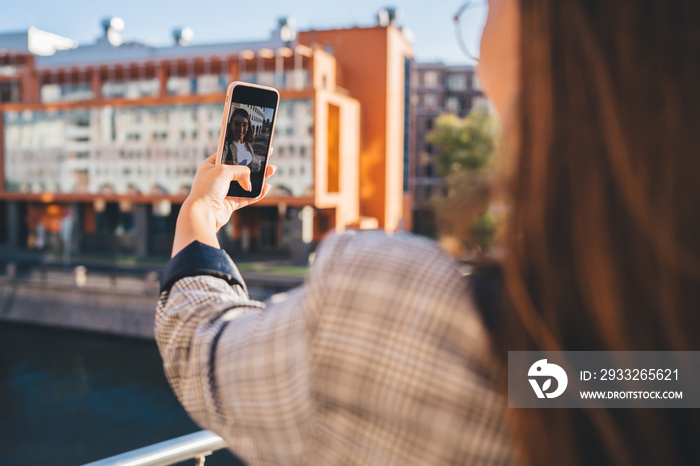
220,21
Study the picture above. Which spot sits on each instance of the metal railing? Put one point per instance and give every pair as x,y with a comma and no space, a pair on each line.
133,280
193,446
136,280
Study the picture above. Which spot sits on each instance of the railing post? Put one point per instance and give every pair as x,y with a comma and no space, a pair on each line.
151,283
80,273
11,271
199,460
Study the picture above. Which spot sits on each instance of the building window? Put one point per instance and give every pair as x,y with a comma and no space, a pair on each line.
333,149
476,85
266,78
57,93
430,101
457,82
481,104
211,83
112,89
179,85
452,104
430,79
10,91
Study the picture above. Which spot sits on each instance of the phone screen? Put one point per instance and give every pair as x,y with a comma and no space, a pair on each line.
248,132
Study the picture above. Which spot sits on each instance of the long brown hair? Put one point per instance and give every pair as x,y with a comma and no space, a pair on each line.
249,137
603,239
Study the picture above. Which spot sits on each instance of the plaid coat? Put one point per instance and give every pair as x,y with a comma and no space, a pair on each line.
378,359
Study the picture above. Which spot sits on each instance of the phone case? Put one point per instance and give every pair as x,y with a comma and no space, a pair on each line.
224,122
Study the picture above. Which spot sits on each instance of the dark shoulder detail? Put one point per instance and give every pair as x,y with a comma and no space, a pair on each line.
486,284
199,259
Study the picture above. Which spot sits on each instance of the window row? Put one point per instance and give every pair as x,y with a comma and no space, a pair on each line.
116,88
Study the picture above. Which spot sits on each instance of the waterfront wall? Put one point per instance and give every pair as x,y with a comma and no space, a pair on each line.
102,310
99,311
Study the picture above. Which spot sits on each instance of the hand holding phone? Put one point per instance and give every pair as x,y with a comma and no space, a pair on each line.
207,207
246,133
235,175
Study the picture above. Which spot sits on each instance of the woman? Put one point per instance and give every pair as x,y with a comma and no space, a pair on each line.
382,357
238,147
603,247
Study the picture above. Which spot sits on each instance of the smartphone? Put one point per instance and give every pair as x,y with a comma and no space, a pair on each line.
246,132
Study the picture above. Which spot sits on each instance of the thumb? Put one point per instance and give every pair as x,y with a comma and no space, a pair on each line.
239,173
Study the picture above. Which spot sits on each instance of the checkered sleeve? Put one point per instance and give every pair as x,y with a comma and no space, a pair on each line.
241,367
189,320
378,359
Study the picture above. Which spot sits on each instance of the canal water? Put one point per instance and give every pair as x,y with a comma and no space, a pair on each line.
70,397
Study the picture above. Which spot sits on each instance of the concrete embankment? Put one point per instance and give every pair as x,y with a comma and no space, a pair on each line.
127,312
95,310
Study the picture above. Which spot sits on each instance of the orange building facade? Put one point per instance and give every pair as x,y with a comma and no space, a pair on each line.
100,142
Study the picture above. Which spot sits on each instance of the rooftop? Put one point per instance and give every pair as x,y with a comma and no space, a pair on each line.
52,50
438,65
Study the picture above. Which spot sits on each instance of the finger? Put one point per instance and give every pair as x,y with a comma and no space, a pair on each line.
266,189
239,173
272,151
270,170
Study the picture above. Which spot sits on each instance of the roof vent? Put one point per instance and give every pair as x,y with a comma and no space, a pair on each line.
113,27
183,35
387,16
287,29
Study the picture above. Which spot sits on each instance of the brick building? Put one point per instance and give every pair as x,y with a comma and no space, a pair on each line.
437,89
109,135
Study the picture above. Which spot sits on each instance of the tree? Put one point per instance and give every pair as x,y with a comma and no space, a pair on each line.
466,147
463,143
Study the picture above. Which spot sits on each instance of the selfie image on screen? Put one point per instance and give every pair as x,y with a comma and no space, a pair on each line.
248,139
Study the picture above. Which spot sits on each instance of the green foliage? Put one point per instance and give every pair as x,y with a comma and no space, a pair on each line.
483,230
464,215
465,147
463,143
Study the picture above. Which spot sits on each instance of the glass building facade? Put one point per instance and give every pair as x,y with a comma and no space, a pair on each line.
139,150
